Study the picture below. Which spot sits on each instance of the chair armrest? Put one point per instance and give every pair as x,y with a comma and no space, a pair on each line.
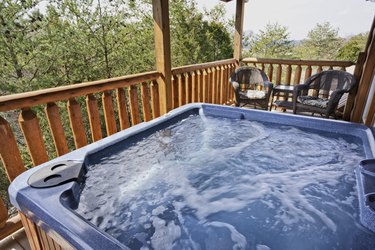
298,89
269,87
297,92
236,88
334,100
235,85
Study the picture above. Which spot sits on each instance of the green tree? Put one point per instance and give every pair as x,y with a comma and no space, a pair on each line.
322,42
195,39
272,42
350,50
20,23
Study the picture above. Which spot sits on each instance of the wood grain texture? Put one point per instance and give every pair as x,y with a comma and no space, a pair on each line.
134,108
10,154
76,123
181,90
270,72
54,121
155,99
308,72
163,52
146,102
34,98
109,113
351,97
122,109
365,80
33,136
94,117
299,62
297,75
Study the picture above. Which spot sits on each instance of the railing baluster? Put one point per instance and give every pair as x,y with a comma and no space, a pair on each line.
155,99
10,154
194,87
205,86
33,136
288,74
181,90
3,214
200,86
297,75
343,69
134,110
270,72
76,123
188,88
331,67
57,130
146,102
279,72
308,72
109,113
319,69
262,65
94,118
217,85
226,77
123,109
229,89
209,85
222,83
174,92
214,85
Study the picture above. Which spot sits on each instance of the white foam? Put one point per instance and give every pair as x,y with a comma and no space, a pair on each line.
238,239
165,233
205,171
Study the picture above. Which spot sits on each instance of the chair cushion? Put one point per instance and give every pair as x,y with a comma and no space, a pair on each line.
253,94
313,101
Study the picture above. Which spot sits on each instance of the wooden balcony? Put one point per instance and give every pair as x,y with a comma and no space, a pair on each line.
75,115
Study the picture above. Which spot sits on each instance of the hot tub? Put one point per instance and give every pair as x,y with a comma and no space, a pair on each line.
209,177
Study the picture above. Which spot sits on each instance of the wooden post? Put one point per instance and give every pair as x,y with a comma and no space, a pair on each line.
57,130
76,123
9,152
351,97
366,78
155,99
94,117
33,135
109,113
3,214
237,47
145,102
163,52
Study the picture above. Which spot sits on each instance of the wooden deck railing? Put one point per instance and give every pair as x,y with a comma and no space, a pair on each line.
292,72
75,115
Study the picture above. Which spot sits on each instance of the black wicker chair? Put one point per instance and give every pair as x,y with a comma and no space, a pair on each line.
321,93
251,87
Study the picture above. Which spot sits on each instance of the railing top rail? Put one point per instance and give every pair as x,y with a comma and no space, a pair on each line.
193,67
33,98
299,62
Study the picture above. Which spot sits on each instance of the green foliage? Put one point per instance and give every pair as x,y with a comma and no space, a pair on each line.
195,39
322,43
272,42
350,50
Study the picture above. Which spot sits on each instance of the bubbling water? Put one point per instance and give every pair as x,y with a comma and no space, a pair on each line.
216,183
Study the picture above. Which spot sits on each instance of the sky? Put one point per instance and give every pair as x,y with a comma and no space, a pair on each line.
300,16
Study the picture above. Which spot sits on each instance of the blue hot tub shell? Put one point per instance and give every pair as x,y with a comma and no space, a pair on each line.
50,207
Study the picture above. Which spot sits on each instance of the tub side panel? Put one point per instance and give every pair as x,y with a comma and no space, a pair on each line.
40,240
